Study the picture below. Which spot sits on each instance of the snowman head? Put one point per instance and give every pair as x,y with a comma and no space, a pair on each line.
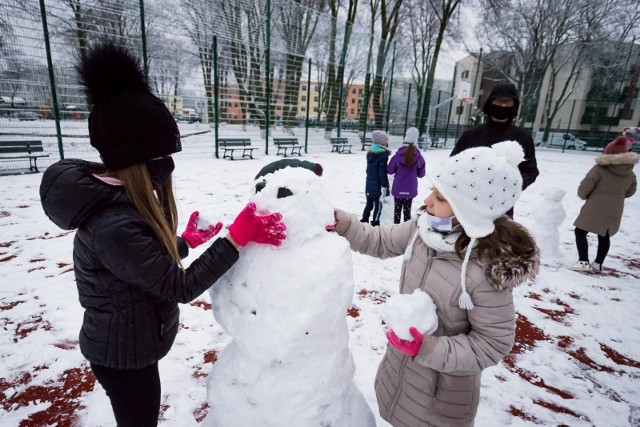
296,191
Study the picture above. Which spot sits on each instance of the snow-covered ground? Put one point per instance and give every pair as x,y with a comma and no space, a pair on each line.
576,360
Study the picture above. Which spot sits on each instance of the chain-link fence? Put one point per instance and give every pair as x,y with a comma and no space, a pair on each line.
255,69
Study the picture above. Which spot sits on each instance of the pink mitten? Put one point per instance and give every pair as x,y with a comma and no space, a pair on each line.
194,236
249,227
410,348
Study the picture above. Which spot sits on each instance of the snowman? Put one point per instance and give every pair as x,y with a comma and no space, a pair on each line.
285,307
548,217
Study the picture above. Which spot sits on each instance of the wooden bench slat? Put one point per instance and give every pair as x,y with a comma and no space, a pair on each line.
339,145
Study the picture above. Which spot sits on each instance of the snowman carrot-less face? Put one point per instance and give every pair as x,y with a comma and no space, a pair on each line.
299,195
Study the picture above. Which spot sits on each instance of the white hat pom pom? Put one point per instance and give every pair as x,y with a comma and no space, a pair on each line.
511,151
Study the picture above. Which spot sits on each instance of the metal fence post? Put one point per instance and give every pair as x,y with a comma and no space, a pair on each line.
306,121
216,93
52,80
367,95
569,124
435,122
406,116
143,35
268,65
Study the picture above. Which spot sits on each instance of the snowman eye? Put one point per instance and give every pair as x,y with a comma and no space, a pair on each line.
260,186
284,192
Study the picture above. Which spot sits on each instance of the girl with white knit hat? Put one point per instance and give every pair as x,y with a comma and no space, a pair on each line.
467,255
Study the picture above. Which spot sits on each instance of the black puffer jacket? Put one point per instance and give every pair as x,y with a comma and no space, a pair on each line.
377,158
127,283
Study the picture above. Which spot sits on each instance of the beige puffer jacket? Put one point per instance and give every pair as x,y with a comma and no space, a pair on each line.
604,188
441,385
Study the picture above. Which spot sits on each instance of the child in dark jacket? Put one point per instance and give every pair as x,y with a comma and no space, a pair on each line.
126,254
407,165
377,183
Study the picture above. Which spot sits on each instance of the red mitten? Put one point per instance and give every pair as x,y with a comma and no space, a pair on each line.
249,227
332,227
194,236
410,348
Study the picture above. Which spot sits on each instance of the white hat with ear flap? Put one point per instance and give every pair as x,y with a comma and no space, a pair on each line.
480,184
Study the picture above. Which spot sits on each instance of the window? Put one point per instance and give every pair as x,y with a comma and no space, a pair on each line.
359,91
303,109
459,109
353,101
316,89
316,99
303,98
353,111
315,109
304,87
353,91
465,75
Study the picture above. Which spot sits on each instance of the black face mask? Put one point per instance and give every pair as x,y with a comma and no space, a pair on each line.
160,171
501,113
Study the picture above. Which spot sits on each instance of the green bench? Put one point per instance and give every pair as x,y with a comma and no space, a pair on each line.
285,144
10,150
366,142
229,145
339,145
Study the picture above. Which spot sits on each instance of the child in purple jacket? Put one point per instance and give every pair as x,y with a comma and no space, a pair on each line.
407,165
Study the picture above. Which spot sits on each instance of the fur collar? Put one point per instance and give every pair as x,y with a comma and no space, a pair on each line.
628,158
509,273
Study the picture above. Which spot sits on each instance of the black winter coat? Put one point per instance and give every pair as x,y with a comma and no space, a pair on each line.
127,283
376,172
487,134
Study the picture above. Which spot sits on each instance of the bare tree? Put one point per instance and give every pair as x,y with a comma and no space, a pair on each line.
389,20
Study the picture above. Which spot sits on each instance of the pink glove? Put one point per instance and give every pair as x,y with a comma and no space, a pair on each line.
410,348
249,227
196,237
332,227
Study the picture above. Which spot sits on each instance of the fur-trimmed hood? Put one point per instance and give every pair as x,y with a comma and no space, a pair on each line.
628,158
619,164
509,273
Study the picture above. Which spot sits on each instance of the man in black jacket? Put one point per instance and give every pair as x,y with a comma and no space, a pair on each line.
501,108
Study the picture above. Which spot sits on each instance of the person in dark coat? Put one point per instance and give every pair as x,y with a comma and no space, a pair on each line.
407,165
126,255
377,182
604,189
501,107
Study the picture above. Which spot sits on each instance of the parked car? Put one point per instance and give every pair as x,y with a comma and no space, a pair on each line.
188,118
561,139
633,134
27,115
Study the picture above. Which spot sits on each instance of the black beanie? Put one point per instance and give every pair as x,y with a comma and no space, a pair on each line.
503,90
128,125
294,163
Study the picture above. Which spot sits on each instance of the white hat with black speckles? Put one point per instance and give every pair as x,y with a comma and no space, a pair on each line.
480,184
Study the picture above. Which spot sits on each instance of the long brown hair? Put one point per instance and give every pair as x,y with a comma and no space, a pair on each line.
409,154
160,211
508,240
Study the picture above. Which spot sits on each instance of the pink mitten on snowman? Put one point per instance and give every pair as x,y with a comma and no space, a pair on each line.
199,230
409,317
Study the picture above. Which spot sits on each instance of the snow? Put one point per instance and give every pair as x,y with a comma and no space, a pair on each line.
576,359
403,311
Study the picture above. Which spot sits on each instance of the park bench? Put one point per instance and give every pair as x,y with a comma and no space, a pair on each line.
229,145
339,145
10,150
285,144
436,143
366,142
421,142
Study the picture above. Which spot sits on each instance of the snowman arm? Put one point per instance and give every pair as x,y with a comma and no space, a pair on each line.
380,242
490,338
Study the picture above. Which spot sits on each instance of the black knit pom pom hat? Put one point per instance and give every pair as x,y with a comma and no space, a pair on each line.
128,125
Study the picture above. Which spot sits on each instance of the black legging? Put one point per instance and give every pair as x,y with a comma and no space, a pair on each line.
372,203
134,394
401,206
604,242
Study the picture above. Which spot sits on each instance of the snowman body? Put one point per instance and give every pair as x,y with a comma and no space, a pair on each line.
548,218
285,308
